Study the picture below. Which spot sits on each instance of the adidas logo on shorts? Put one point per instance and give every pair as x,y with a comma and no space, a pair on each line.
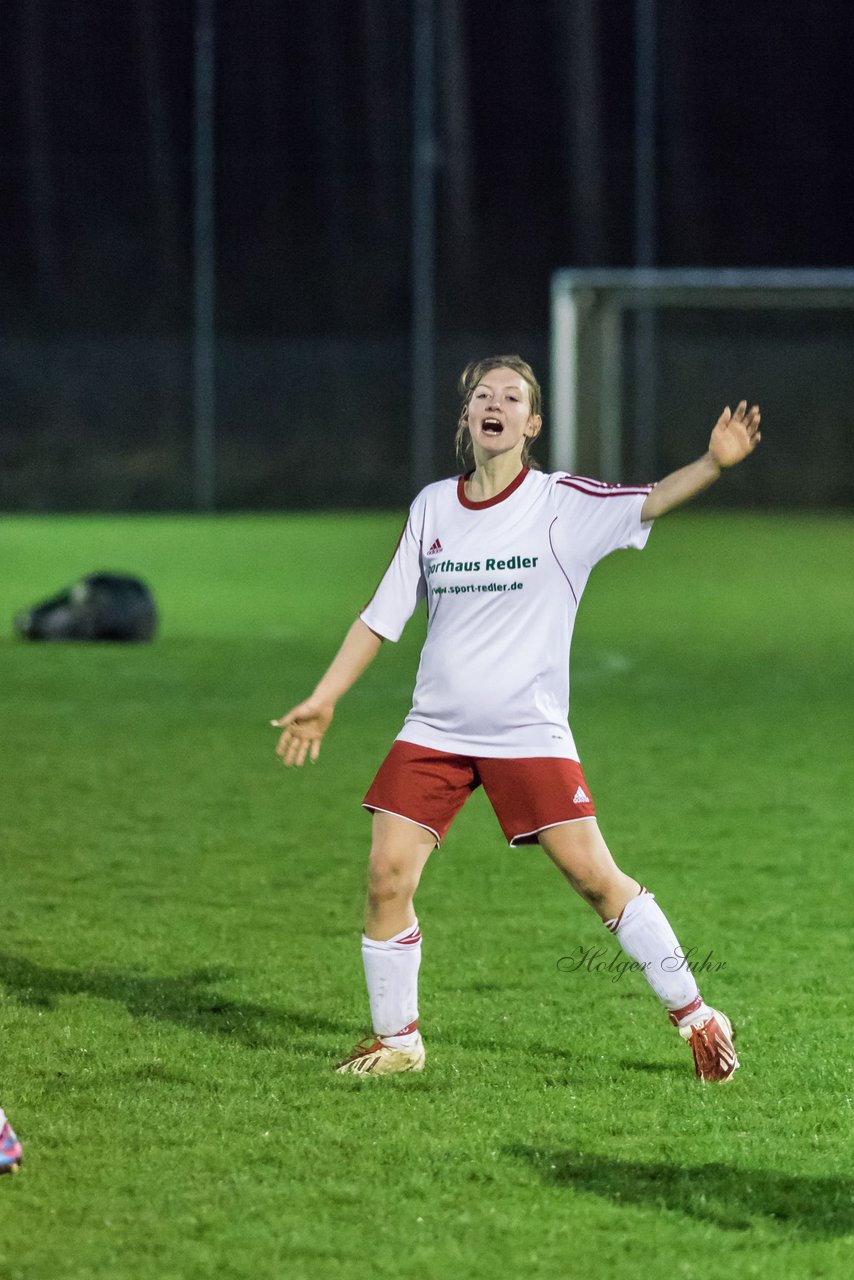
581,797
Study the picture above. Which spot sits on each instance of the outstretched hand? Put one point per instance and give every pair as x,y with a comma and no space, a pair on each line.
303,729
735,435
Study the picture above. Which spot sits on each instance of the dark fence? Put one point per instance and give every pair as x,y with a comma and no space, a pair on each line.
106,423
313,160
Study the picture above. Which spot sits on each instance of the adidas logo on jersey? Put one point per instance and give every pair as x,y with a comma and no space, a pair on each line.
436,548
581,797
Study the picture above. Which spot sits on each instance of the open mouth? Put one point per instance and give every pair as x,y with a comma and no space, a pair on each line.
492,427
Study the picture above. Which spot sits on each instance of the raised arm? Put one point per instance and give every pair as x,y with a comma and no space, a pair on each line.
304,725
734,436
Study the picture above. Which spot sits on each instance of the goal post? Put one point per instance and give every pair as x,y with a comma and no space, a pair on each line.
589,310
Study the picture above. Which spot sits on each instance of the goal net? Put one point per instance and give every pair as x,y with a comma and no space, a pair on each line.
643,360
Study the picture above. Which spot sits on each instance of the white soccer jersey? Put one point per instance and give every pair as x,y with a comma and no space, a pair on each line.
502,580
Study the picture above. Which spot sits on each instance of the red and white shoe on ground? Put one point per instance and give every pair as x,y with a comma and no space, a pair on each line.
711,1041
373,1058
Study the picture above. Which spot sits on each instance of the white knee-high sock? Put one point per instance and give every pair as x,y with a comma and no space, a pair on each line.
644,933
391,972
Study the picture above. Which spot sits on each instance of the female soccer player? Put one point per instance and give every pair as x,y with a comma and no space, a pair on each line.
501,555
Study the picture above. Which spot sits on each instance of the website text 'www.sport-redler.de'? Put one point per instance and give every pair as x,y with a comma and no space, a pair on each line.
479,586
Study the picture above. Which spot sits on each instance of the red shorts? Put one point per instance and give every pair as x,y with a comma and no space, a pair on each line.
430,787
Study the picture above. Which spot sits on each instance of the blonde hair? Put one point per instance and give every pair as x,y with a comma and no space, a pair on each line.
470,378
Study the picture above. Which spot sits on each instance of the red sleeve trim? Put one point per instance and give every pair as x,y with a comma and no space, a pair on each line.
597,489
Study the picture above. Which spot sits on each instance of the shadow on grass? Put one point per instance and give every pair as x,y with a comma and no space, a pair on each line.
189,1000
655,1068
730,1198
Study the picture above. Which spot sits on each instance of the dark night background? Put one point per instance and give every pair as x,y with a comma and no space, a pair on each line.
313,135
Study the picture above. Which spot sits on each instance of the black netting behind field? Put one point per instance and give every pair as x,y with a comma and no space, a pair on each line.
795,364
105,424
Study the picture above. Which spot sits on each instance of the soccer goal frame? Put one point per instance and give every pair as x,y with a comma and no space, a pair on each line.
588,309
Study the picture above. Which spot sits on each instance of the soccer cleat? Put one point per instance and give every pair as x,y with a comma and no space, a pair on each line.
373,1058
711,1043
10,1150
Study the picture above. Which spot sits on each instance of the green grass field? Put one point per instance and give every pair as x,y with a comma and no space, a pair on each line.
180,946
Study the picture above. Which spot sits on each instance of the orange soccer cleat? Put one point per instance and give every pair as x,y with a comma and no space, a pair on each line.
711,1041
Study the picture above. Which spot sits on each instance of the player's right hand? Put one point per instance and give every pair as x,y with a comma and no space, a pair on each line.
303,729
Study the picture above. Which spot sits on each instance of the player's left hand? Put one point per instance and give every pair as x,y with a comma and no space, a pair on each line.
735,435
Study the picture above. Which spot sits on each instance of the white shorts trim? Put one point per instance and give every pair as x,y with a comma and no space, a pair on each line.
565,822
375,808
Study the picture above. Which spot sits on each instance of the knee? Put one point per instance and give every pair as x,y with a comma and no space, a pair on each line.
594,893
594,881
389,876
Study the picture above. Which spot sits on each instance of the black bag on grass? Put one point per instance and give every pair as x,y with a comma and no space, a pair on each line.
101,606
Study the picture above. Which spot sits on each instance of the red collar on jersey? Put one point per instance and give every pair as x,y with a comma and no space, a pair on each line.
489,502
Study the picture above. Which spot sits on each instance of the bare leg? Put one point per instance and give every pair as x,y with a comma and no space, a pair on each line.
578,850
391,947
645,935
399,851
